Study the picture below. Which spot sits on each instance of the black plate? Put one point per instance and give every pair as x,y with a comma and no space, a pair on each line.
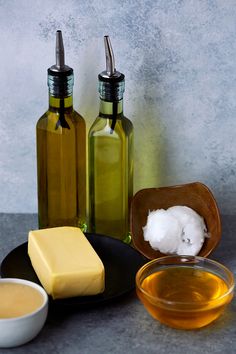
121,263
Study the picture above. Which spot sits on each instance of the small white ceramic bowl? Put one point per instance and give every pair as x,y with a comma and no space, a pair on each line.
16,331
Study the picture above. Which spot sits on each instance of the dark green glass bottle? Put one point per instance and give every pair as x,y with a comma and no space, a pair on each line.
61,152
110,157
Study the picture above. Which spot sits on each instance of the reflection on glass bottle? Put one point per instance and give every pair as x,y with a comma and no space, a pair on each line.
110,156
61,152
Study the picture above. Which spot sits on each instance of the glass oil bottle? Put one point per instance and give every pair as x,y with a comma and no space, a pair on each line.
61,152
110,149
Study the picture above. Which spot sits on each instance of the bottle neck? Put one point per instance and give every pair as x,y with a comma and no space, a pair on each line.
60,85
111,108
56,103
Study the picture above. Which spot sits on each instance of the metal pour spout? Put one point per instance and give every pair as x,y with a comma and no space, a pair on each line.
60,55
111,81
110,59
60,76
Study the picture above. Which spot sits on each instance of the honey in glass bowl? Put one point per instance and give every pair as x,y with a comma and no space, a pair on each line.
184,292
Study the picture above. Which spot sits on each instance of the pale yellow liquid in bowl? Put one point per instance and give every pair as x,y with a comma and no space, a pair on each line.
18,300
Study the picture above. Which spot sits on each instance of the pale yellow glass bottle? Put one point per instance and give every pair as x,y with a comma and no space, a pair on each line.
110,145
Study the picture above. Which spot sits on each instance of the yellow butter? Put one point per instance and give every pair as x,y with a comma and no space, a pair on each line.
65,262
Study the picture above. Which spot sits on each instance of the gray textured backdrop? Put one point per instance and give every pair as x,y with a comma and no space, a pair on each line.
179,58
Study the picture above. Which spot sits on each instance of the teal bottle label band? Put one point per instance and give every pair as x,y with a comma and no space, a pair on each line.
60,85
111,91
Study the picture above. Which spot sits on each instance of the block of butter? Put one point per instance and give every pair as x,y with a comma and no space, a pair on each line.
65,262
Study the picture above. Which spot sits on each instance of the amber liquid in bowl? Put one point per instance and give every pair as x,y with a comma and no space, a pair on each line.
184,297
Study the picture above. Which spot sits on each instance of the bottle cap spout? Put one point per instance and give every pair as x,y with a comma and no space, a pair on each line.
60,66
110,59
111,82
60,55
60,76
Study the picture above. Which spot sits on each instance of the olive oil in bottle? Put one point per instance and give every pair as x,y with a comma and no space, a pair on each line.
110,156
61,152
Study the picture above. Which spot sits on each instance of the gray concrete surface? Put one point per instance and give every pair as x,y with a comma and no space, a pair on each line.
123,326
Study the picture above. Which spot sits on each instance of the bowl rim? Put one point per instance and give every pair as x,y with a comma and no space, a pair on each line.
31,284
171,303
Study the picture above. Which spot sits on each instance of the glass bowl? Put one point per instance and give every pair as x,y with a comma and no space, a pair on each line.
185,292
